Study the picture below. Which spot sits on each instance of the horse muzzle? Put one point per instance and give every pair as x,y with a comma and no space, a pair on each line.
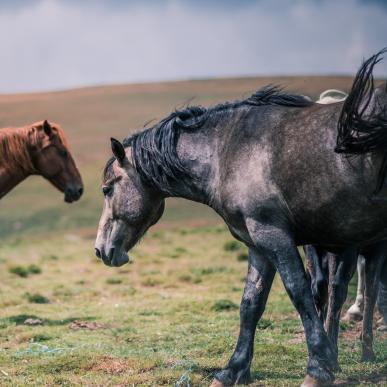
72,194
113,258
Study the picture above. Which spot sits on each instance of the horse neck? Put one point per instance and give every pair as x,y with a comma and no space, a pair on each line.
9,180
15,161
198,153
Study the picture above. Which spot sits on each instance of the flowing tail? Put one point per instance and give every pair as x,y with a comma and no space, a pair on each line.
362,131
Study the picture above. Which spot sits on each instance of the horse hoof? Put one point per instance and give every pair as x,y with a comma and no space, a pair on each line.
217,383
353,317
310,381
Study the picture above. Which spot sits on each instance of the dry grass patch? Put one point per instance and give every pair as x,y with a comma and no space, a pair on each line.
111,365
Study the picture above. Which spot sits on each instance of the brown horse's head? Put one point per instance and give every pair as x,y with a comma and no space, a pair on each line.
52,159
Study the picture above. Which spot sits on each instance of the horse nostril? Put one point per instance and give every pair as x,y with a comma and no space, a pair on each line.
98,253
80,191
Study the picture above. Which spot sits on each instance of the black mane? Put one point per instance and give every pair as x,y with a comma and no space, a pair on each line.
359,130
154,153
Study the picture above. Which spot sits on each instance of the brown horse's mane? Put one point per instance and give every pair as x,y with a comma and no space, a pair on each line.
15,145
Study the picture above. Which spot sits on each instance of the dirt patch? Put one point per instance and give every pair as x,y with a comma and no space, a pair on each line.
87,325
353,329
351,332
372,380
33,321
113,366
299,338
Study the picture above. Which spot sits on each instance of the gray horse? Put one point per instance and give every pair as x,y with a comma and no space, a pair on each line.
278,169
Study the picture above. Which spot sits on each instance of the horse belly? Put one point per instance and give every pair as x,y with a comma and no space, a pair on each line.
342,223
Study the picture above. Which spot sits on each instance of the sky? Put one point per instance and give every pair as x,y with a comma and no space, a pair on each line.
62,44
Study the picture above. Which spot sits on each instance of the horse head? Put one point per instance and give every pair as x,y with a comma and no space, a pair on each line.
130,208
52,159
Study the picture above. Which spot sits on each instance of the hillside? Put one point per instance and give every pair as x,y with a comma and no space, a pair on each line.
90,116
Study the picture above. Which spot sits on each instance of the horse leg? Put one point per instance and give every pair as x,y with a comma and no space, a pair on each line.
341,270
355,312
319,285
329,322
374,257
382,296
278,245
258,283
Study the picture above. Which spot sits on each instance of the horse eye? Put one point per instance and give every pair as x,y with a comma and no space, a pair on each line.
63,153
107,190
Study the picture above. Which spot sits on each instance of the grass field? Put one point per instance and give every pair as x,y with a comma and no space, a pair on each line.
171,316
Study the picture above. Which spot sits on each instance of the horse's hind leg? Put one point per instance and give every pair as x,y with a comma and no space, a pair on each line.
355,312
341,270
318,277
374,257
258,283
382,296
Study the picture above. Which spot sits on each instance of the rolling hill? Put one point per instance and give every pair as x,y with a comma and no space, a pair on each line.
90,116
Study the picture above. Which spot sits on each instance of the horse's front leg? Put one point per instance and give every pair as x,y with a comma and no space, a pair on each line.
258,283
278,245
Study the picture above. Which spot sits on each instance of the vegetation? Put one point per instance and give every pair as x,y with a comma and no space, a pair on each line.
151,322
37,298
25,271
232,246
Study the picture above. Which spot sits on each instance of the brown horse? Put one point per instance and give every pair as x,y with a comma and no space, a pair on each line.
38,149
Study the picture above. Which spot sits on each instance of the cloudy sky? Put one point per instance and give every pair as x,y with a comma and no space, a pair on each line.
60,44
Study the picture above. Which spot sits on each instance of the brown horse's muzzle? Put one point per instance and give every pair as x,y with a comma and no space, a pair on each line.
73,193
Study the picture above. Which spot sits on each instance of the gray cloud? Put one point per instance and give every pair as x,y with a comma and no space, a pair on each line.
54,44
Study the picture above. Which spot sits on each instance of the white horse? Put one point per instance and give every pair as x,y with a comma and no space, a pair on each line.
331,96
355,312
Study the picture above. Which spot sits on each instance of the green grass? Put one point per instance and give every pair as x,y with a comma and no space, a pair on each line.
158,319
37,298
19,270
25,271
222,305
114,281
232,246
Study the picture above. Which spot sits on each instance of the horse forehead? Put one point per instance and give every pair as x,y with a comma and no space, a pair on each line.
128,152
109,173
115,169
59,131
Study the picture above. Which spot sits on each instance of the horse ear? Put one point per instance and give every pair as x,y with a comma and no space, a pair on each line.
118,150
47,128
